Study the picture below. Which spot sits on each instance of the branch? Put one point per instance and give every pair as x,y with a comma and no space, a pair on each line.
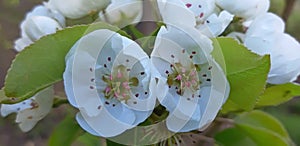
289,5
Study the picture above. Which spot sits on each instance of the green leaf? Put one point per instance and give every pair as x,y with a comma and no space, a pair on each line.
89,140
233,137
246,72
111,143
263,129
6,100
288,115
278,94
43,63
65,133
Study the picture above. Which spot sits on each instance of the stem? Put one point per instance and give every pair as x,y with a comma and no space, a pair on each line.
206,139
225,121
135,32
58,101
289,5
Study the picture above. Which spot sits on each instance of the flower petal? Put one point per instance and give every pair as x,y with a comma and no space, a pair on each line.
77,8
201,8
123,13
89,62
79,86
176,124
37,26
7,109
167,38
195,108
39,22
248,9
30,111
219,92
97,125
215,25
285,65
174,12
21,43
42,10
262,33
240,37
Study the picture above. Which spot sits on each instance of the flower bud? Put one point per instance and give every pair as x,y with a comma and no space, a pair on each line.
248,9
122,13
37,26
77,8
39,22
266,36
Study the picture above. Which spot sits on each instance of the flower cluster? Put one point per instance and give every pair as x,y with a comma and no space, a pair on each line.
264,34
111,79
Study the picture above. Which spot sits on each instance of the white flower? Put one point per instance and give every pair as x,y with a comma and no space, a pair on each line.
108,78
40,22
201,8
266,36
123,12
247,9
215,25
30,111
21,43
37,26
191,85
201,14
77,8
262,33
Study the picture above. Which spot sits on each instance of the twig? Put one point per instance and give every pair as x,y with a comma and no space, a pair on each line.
225,120
289,5
58,101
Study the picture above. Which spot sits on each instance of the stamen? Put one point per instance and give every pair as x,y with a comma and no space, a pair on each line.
119,76
201,15
188,5
118,84
126,85
179,77
183,77
107,90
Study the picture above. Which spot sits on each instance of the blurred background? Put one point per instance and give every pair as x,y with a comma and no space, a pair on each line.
12,12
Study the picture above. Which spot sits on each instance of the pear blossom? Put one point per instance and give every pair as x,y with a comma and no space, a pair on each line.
40,22
266,36
123,13
30,111
77,8
202,14
247,9
215,25
108,79
191,85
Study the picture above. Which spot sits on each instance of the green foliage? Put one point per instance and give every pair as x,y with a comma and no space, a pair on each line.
233,137
288,114
255,128
65,133
43,63
278,94
111,143
246,72
89,140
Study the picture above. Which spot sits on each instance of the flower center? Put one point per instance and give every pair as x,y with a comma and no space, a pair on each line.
184,78
118,84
